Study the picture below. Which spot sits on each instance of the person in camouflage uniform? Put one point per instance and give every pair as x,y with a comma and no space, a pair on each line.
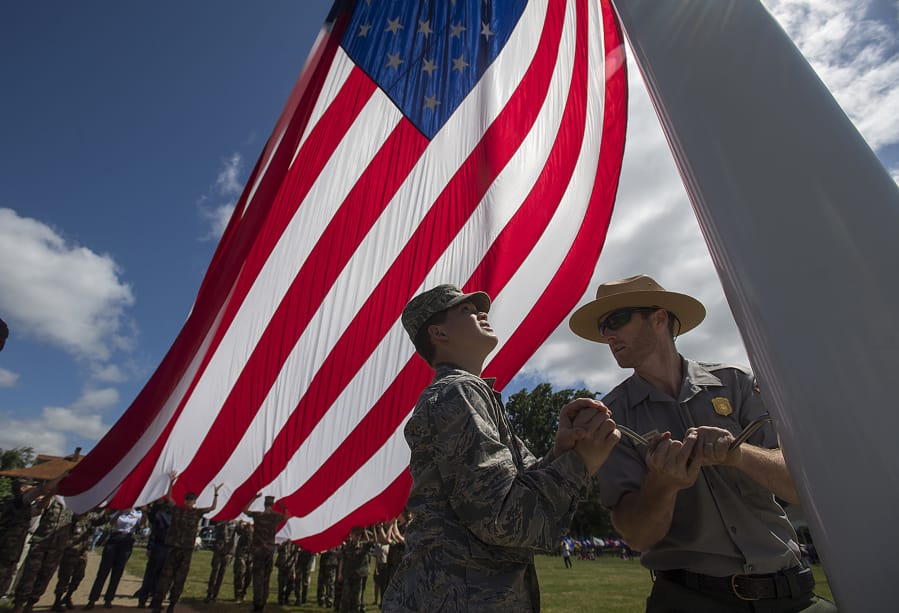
74,558
302,574
180,540
223,551
160,516
47,544
482,503
353,571
265,526
327,574
397,548
285,560
243,560
15,519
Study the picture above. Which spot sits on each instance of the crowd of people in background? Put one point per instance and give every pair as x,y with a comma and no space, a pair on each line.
60,541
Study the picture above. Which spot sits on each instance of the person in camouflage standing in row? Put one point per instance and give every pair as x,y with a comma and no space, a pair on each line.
159,514
74,558
285,560
353,571
222,552
302,574
243,560
327,574
47,544
265,526
15,519
180,540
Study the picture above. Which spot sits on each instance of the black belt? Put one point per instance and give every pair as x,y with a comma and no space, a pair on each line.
784,584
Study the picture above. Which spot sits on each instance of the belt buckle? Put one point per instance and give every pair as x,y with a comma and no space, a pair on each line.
733,587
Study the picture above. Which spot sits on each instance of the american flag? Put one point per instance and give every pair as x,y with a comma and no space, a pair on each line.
471,142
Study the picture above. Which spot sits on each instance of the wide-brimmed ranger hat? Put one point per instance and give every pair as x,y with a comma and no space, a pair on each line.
638,291
443,297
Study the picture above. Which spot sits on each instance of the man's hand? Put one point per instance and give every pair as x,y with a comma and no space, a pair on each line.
713,447
573,420
599,439
671,462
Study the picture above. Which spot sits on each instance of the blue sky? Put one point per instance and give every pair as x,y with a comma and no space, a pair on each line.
127,130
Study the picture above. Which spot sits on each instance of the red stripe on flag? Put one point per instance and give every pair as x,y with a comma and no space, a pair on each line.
327,259
366,439
570,283
503,259
217,283
376,507
290,192
442,222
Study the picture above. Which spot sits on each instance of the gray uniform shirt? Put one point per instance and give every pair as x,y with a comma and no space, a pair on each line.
481,504
725,523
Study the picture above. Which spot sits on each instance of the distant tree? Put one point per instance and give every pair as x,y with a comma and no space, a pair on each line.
19,457
535,416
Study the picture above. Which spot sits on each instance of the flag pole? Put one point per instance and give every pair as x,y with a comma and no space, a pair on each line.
802,222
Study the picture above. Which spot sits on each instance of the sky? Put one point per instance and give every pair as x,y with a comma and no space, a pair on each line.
127,131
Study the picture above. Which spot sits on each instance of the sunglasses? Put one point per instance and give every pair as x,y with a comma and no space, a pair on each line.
620,318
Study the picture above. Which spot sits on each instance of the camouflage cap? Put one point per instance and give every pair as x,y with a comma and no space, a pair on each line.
269,501
423,306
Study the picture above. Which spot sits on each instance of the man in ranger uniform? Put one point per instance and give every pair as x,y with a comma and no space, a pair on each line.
701,509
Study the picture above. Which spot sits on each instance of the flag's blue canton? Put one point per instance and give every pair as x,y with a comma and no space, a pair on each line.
428,55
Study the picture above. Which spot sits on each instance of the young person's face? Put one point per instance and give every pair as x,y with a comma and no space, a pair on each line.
469,329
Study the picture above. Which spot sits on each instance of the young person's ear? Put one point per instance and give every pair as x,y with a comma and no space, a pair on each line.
437,332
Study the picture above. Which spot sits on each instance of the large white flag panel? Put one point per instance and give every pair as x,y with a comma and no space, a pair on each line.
468,142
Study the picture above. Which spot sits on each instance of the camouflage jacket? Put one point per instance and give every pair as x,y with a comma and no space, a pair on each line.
225,537
481,503
244,538
329,559
287,554
82,530
304,560
15,520
265,527
354,558
54,526
182,532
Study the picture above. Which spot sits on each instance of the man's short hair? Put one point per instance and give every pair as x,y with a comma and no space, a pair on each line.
190,496
422,341
672,321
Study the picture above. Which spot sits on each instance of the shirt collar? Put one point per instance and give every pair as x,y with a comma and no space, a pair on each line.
695,377
445,368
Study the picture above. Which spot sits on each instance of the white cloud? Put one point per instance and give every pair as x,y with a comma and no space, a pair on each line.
61,293
654,230
227,186
108,373
48,433
97,399
61,419
227,183
31,433
853,46
8,378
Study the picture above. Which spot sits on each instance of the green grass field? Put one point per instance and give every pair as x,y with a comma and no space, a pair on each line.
606,584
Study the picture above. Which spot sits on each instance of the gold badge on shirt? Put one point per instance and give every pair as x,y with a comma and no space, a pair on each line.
722,406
